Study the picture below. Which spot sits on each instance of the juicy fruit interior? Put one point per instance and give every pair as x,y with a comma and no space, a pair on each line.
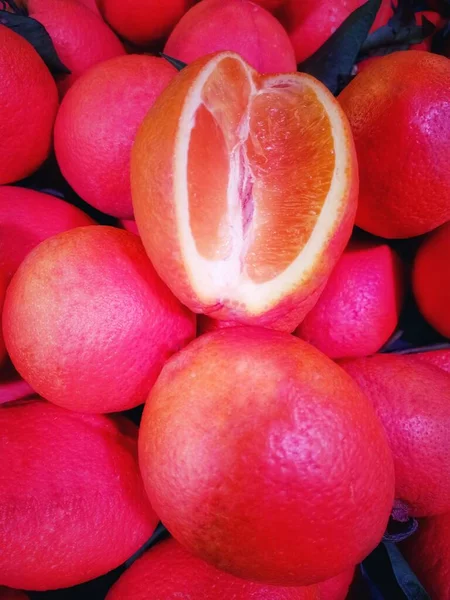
260,163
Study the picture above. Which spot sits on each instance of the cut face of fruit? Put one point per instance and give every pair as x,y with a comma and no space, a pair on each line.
263,175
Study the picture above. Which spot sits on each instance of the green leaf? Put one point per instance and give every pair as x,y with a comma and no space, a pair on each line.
35,33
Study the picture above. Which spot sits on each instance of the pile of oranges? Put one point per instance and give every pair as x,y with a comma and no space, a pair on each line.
204,287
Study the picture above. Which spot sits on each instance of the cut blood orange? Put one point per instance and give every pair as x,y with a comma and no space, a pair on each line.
244,190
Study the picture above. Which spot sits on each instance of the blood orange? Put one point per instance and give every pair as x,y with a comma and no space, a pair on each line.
89,324
360,306
237,25
97,123
80,37
243,200
431,279
171,572
27,218
72,505
29,101
311,22
261,456
438,358
401,134
412,400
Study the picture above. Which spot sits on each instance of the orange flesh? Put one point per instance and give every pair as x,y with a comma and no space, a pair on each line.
276,149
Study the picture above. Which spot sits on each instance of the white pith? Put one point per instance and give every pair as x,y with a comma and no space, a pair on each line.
224,281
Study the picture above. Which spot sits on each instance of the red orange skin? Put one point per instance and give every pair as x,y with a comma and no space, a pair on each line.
401,136
3,286
130,225
27,218
311,22
266,487
269,4
170,572
72,503
337,588
9,594
412,400
237,25
438,358
80,37
89,324
156,218
431,279
148,21
359,309
97,124
29,101
428,553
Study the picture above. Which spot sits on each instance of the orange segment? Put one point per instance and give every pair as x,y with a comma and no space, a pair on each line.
208,166
291,154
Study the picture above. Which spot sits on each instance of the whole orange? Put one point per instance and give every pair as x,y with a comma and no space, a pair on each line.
146,20
29,101
172,572
310,23
237,25
399,111
428,553
89,324
97,123
262,457
27,218
72,504
412,400
80,37
431,279
359,308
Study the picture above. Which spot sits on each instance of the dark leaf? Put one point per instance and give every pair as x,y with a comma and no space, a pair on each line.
441,41
35,33
388,573
395,36
428,348
178,64
332,64
408,582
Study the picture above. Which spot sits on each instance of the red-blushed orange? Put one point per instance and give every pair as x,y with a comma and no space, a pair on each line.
338,587
428,553
232,238
412,400
399,111
311,22
89,324
72,504
146,21
80,37
168,571
237,25
360,306
438,358
29,101
97,123
27,218
431,279
262,457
